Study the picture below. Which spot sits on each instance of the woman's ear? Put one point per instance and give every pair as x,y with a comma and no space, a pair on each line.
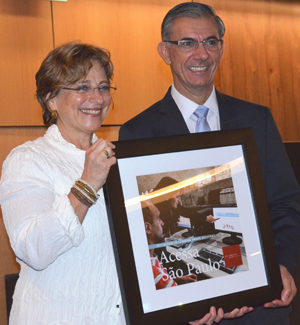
164,52
51,103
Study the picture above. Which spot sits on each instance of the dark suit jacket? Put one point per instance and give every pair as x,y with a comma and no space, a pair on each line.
283,193
282,190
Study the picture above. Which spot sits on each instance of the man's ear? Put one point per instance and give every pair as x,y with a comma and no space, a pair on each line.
148,228
222,49
164,52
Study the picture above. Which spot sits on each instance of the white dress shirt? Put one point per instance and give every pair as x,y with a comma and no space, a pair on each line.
187,108
68,274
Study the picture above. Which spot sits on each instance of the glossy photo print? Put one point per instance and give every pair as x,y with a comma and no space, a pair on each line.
199,234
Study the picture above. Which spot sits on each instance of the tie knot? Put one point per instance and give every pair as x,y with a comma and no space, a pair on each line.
201,111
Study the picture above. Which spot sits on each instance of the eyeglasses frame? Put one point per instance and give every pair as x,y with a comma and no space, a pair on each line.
220,41
93,90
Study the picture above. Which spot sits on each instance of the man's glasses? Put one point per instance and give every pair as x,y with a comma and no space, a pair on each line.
191,44
86,90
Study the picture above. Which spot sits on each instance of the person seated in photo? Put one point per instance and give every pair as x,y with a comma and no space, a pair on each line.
154,232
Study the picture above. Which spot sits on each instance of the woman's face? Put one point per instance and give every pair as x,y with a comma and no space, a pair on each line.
173,202
81,114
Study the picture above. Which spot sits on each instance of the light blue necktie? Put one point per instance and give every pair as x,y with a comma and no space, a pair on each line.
202,124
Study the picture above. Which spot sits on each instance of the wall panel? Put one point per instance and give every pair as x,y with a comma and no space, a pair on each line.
259,64
261,59
131,31
26,37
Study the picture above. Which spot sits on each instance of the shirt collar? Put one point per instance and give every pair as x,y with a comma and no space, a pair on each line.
187,106
54,134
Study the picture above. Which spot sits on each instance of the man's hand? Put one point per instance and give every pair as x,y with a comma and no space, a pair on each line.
217,315
238,312
289,290
210,318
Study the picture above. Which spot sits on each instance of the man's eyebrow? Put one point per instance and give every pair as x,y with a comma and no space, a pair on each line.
193,39
211,37
188,39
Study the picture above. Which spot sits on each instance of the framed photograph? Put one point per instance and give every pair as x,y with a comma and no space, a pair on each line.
190,226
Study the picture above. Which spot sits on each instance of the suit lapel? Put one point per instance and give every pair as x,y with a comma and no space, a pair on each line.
171,120
228,113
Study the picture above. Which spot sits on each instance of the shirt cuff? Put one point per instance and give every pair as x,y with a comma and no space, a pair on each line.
69,220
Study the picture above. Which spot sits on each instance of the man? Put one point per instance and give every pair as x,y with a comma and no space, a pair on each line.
154,232
155,235
192,45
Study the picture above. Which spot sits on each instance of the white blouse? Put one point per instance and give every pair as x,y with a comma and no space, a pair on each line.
68,273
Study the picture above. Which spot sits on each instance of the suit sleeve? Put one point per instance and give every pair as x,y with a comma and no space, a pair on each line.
283,196
126,134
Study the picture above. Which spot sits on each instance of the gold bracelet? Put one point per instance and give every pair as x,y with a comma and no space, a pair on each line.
81,198
86,190
87,196
88,186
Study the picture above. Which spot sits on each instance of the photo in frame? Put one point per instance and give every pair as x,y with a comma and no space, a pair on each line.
208,241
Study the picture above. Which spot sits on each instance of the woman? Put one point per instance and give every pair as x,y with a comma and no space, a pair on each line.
171,209
52,199
57,225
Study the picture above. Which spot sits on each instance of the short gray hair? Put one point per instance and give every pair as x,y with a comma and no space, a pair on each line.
191,10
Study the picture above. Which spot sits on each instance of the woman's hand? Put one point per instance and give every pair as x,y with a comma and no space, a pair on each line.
98,160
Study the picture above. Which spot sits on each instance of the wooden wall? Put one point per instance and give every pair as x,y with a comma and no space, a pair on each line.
260,64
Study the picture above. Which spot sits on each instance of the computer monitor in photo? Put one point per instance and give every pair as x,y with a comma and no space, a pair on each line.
185,222
228,223
199,225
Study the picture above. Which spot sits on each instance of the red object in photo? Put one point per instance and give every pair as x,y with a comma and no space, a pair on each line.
232,255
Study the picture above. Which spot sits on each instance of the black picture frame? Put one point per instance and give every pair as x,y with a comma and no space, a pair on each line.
155,156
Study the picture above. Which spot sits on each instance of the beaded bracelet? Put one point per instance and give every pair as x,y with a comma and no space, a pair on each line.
89,198
81,198
84,193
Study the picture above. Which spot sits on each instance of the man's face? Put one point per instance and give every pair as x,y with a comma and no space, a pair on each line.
157,235
193,71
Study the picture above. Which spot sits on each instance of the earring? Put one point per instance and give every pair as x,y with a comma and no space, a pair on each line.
54,115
